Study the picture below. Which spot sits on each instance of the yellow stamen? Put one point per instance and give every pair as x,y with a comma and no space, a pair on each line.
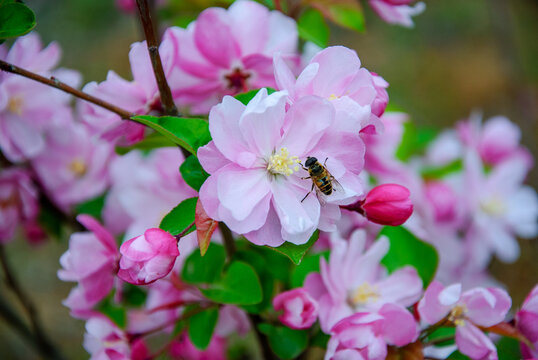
282,163
78,167
493,206
457,315
14,105
364,294
333,97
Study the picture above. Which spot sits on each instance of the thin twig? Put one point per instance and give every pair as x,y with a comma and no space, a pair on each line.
229,242
45,345
52,81
187,229
153,48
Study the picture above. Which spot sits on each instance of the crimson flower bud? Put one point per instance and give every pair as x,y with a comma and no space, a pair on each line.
300,310
386,204
148,257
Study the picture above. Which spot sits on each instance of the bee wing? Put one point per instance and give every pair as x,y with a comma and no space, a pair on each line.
337,190
321,196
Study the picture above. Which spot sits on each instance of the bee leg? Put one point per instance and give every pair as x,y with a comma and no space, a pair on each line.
312,189
325,162
304,178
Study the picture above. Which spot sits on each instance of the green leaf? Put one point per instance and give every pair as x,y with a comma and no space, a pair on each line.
150,142
116,313
414,140
312,27
434,173
296,252
346,13
180,217
16,19
262,267
456,355
92,207
286,343
134,295
240,285
249,95
508,348
193,173
189,133
308,265
406,249
447,333
201,327
206,269
320,339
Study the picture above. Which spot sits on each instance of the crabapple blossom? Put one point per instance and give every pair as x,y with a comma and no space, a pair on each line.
28,108
366,335
387,204
148,257
184,349
75,166
143,189
397,12
256,149
335,74
527,323
225,52
483,307
354,281
18,202
92,261
300,309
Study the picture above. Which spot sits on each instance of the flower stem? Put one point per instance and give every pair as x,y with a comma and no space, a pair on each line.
55,83
182,234
153,48
44,345
229,242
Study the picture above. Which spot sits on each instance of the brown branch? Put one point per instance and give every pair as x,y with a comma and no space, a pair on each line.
45,345
228,239
187,229
153,48
52,81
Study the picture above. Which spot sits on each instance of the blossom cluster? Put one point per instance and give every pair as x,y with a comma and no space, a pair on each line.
302,157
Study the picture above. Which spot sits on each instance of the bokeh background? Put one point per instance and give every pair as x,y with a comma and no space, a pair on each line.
462,55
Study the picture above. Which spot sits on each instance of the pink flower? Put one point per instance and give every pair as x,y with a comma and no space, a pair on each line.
256,150
92,261
144,187
366,335
475,307
444,202
105,341
300,309
28,108
184,349
230,51
527,323
397,11
147,258
18,202
335,74
74,167
354,281
387,204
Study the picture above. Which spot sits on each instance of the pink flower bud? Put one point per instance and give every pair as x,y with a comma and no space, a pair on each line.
387,204
300,309
147,257
527,323
382,97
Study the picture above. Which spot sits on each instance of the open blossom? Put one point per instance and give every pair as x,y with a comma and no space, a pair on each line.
256,150
140,96
92,261
74,167
147,257
28,108
467,310
18,202
335,74
105,341
366,335
300,309
527,323
230,51
144,187
397,11
354,281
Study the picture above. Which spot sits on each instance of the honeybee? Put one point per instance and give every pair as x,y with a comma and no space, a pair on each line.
322,180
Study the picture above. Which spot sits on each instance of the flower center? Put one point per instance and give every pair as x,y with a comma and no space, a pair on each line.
493,206
282,163
457,315
333,97
78,167
364,294
237,80
14,105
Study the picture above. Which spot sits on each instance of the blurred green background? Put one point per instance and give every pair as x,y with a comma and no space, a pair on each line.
462,55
